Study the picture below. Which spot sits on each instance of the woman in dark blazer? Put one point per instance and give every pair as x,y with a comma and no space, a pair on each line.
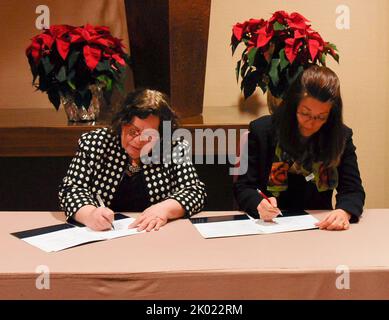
115,164
301,154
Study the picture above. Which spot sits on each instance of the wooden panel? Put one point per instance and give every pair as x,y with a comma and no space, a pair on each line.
168,41
46,132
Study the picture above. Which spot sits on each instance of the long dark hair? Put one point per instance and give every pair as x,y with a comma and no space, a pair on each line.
142,103
327,144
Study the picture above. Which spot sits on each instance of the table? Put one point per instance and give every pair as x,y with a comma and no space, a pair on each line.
177,263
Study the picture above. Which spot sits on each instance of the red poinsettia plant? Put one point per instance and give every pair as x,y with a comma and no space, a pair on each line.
277,51
66,60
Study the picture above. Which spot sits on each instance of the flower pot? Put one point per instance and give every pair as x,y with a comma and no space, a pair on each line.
83,114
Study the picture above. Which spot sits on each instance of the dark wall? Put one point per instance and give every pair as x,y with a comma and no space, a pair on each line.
31,184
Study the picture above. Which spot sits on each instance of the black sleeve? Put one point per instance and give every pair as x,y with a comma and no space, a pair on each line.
245,188
350,193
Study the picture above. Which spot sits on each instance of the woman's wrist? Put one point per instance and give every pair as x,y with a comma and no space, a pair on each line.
349,215
171,209
83,213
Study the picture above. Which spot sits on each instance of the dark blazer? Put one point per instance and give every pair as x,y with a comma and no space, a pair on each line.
99,165
261,147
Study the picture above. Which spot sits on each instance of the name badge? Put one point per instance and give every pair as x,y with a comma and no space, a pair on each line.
310,177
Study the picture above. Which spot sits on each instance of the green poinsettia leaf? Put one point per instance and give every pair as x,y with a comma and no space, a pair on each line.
128,60
249,83
244,54
273,73
47,65
237,70
263,86
54,98
323,59
61,75
83,98
107,81
284,62
78,99
87,98
71,75
73,57
103,66
333,46
278,26
234,44
43,84
293,77
251,56
122,69
71,85
33,67
243,70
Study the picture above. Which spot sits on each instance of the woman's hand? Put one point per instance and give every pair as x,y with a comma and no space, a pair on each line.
97,219
158,215
336,220
153,217
268,211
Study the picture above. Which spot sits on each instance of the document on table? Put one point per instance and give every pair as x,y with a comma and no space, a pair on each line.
67,236
250,226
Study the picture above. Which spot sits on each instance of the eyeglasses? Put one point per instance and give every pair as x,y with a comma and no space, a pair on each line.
133,131
308,117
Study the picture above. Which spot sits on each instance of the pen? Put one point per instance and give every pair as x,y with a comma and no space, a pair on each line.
265,197
101,203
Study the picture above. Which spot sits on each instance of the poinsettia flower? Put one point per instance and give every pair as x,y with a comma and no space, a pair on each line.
34,50
254,24
119,59
62,47
279,16
92,56
248,27
283,40
47,40
70,52
292,46
238,30
315,35
264,36
297,21
315,44
313,48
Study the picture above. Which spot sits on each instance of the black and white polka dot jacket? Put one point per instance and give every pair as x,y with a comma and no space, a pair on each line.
99,165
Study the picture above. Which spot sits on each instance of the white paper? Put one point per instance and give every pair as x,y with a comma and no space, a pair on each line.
255,226
286,224
63,239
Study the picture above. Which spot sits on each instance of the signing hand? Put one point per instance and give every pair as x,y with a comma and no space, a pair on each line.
153,217
268,211
97,219
336,220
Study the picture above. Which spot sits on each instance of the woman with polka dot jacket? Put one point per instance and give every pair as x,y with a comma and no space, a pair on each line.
114,163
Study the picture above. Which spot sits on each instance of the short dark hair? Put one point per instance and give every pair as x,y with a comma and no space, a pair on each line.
328,143
142,103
